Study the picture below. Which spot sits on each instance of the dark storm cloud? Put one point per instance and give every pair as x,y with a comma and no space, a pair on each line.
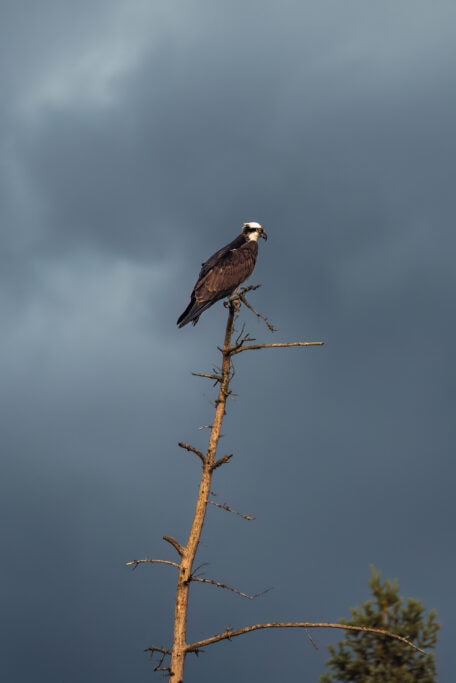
136,140
180,129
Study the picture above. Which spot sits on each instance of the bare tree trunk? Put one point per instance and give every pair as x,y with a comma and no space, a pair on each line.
188,552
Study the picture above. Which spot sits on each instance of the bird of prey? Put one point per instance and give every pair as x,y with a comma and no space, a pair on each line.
223,272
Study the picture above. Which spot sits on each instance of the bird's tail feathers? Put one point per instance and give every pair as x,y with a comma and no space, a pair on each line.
193,312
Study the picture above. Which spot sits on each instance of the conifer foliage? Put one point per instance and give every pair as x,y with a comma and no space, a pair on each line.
366,658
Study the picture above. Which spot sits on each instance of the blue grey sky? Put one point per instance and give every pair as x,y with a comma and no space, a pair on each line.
136,139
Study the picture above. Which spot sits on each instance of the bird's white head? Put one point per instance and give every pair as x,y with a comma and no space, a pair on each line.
253,230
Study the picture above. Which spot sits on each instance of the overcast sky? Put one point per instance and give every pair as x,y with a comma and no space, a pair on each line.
136,139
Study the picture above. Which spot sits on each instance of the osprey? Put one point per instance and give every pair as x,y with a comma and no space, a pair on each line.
223,272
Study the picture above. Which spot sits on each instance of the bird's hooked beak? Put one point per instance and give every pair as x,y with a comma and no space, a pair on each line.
264,234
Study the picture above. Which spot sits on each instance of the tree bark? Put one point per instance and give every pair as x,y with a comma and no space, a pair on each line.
179,648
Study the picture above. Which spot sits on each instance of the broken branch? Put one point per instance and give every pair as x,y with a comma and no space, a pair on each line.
176,545
192,449
219,584
150,561
254,347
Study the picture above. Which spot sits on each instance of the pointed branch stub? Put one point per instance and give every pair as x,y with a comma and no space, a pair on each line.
192,449
222,461
176,545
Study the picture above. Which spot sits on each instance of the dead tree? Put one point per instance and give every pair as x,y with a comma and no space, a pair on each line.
172,660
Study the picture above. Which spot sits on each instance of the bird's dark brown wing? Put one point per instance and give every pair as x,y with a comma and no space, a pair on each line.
229,272
220,255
